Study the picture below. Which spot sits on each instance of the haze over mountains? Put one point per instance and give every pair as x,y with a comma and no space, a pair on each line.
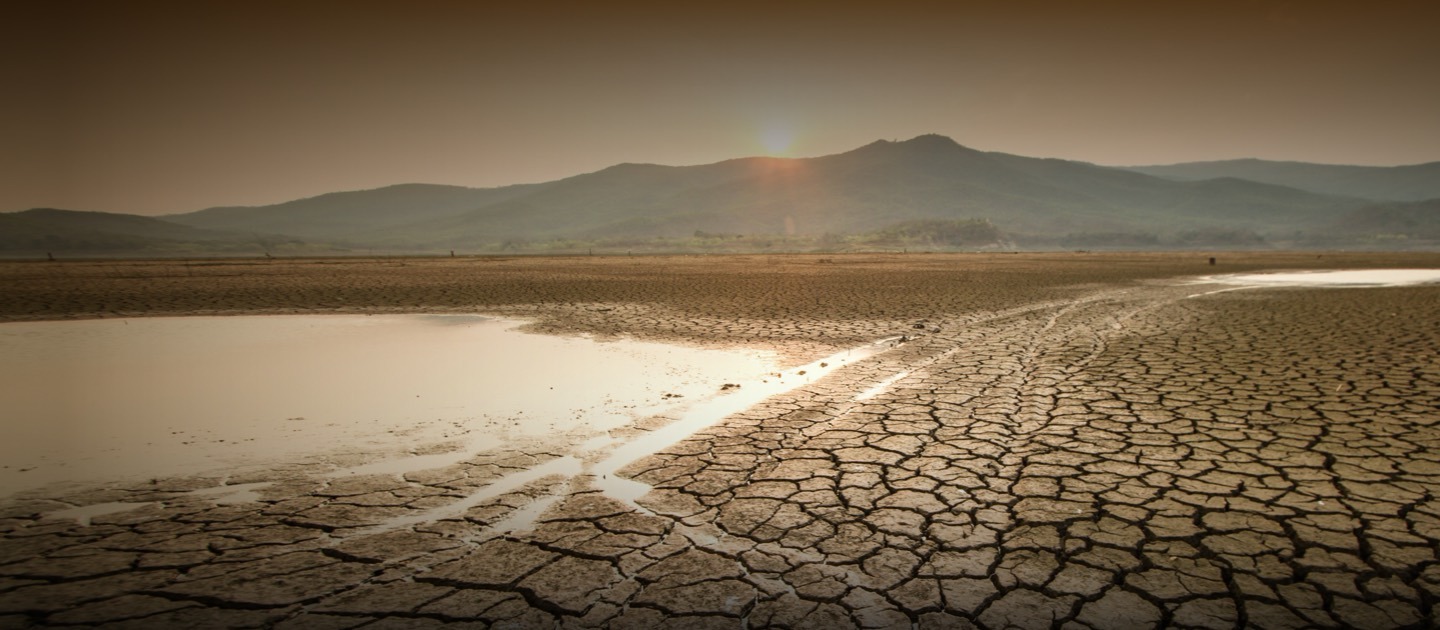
1397,183
926,192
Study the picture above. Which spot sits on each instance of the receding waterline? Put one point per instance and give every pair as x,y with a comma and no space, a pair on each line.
604,474
120,400
564,466
710,412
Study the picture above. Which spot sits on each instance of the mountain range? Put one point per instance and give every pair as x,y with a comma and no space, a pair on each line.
912,193
1416,182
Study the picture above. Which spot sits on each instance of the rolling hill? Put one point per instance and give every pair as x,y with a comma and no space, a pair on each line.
1387,225
883,188
42,231
339,215
1391,183
880,184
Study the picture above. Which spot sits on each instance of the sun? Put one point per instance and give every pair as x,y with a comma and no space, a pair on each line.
777,139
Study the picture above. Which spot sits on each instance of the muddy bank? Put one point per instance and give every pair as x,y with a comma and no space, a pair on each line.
807,303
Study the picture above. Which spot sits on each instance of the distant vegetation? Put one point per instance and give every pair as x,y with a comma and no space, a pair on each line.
1108,240
1384,226
924,235
936,233
926,193
1219,237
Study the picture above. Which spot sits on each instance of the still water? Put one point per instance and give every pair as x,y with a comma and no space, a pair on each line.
1346,278
125,400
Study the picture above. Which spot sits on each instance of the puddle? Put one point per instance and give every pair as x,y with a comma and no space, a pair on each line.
1351,278
231,495
85,513
400,465
114,400
524,519
103,400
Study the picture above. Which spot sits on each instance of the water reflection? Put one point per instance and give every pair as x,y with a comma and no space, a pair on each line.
121,400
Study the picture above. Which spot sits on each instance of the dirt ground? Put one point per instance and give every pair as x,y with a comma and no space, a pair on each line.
1062,440
822,301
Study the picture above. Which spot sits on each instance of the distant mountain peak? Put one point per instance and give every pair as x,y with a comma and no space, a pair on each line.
634,167
927,144
931,140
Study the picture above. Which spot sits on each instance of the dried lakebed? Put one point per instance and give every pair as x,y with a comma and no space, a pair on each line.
1123,456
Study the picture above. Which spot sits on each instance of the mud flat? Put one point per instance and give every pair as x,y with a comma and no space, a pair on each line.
1037,441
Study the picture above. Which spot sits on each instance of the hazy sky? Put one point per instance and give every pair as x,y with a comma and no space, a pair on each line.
159,107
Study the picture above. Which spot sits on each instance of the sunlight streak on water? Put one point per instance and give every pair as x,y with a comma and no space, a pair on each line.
709,412
115,400
567,467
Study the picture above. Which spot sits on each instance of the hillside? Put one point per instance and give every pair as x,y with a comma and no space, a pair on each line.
1387,225
877,193
339,215
864,190
1395,183
44,231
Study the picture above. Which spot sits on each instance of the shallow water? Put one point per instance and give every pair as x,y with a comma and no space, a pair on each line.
711,411
120,400
616,454
1347,278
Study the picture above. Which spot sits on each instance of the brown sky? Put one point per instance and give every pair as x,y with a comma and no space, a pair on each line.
158,107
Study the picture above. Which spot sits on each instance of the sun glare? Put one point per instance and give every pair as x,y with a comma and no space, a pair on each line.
777,139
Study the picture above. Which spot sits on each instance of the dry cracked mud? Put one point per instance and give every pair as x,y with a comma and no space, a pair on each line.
1055,442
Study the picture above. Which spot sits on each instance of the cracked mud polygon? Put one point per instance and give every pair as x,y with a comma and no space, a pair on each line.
1065,440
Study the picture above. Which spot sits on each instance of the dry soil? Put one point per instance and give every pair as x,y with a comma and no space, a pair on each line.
1060,440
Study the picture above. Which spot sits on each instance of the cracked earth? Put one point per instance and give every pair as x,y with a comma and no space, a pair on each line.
1120,453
